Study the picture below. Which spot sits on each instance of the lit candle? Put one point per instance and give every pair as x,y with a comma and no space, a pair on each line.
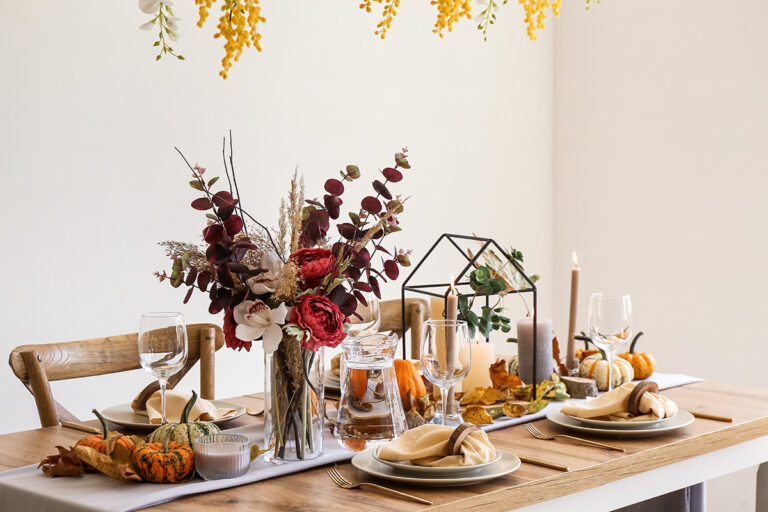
483,356
451,314
543,349
570,359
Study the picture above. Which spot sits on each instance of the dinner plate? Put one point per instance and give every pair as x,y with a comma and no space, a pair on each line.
407,467
591,422
365,462
679,420
125,416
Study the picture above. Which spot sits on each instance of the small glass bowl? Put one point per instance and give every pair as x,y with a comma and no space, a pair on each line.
221,456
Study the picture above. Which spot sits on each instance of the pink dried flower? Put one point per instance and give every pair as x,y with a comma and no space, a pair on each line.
199,170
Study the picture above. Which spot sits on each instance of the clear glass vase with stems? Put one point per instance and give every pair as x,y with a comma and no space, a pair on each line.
610,318
294,406
445,358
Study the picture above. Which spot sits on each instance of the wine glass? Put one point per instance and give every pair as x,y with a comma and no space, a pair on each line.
369,320
610,316
445,355
162,348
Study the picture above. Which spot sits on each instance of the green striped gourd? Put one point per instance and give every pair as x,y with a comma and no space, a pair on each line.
185,431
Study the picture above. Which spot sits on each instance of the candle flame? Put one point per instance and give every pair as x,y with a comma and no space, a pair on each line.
575,259
453,282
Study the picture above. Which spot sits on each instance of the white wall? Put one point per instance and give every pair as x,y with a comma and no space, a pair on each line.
661,119
91,183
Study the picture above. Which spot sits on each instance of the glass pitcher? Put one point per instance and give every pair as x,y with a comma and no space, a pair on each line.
370,411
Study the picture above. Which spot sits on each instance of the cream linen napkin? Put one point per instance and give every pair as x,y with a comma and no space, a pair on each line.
614,406
427,446
202,410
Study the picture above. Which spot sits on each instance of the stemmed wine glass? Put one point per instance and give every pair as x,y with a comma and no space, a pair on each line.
445,355
609,325
369,320
162,348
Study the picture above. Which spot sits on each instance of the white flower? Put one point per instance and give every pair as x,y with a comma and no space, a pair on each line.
148,25
255,320
266,282
174,36
150,6
172,22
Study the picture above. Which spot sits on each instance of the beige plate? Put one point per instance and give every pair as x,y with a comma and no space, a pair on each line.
366,463
679,420
623,424
124,415
429,471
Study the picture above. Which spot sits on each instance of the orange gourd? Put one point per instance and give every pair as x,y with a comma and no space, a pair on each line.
98,441
408,379
164,463
359,380
643,363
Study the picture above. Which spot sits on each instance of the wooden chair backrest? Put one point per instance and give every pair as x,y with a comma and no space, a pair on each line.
416,312
37,365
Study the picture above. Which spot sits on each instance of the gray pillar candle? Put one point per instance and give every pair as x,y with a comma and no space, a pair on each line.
543,349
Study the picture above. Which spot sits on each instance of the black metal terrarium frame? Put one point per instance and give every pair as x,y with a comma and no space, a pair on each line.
426,289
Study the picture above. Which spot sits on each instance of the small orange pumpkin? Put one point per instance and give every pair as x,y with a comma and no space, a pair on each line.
359,380
160,463
643,363
408,379
98,441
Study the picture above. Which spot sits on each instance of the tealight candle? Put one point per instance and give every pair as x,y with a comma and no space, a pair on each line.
221,456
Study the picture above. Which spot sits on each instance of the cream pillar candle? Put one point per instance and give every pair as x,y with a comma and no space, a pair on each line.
483,356
570,359
543,349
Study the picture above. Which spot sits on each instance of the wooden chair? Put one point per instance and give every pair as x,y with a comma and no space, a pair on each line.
37,365
416,312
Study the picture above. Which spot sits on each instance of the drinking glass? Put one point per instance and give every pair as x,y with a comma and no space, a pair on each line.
369,320
162,348
610,317
445,355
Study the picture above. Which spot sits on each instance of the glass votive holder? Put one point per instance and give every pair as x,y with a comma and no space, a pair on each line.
221,456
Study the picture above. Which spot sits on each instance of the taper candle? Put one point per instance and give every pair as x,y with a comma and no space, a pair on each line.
570,359
451,314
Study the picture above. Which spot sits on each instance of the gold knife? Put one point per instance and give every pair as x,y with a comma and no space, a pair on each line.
80,427
543,463
715,417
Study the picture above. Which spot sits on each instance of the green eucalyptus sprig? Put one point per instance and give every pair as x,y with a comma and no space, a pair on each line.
483,282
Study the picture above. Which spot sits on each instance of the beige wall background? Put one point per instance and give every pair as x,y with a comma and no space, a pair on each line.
91,182
661,120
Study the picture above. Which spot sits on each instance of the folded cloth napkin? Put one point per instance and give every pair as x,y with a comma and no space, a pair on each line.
614,406
202,410
427,445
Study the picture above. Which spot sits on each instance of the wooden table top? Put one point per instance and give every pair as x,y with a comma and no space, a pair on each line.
590,467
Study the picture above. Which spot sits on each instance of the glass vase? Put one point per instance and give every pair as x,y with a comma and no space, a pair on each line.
294,406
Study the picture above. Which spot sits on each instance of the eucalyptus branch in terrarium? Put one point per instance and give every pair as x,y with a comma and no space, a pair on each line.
483,283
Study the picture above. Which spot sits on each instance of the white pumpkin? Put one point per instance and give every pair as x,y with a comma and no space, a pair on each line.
596,368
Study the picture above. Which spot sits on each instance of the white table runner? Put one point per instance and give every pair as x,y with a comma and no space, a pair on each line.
26,489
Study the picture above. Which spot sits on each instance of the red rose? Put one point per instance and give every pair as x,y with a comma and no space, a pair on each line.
230,338
314,265
321,318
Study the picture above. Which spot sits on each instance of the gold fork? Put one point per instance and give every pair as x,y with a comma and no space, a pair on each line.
346,484
535,432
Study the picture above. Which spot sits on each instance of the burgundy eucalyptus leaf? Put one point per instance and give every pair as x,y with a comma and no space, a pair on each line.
313,203
224,212
215,308
392,175
363,286
317,225
391,269
338,296
238,297
380,188
334,187
202,203
375,286
349,306
213,292
378,234
225,277
191,275
382,249
347,230
217,253
233,225
251,272
214,233
360,298
237,268
245,243
333,204
360,258
188,295
224,297
371,205
203,278
224,198
353,273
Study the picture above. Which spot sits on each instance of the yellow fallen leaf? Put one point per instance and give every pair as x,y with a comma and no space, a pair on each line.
477,415
513,410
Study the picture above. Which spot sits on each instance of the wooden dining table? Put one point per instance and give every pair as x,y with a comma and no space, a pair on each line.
597,478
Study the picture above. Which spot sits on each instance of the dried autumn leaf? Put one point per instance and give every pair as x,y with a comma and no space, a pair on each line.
523,392
477,415
105,464
491,396
537,405
256,451
513,410
66,463
500,378
473,397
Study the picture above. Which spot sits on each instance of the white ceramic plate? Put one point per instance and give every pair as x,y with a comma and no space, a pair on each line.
125,416
429,471
366,463
623,424
679,420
